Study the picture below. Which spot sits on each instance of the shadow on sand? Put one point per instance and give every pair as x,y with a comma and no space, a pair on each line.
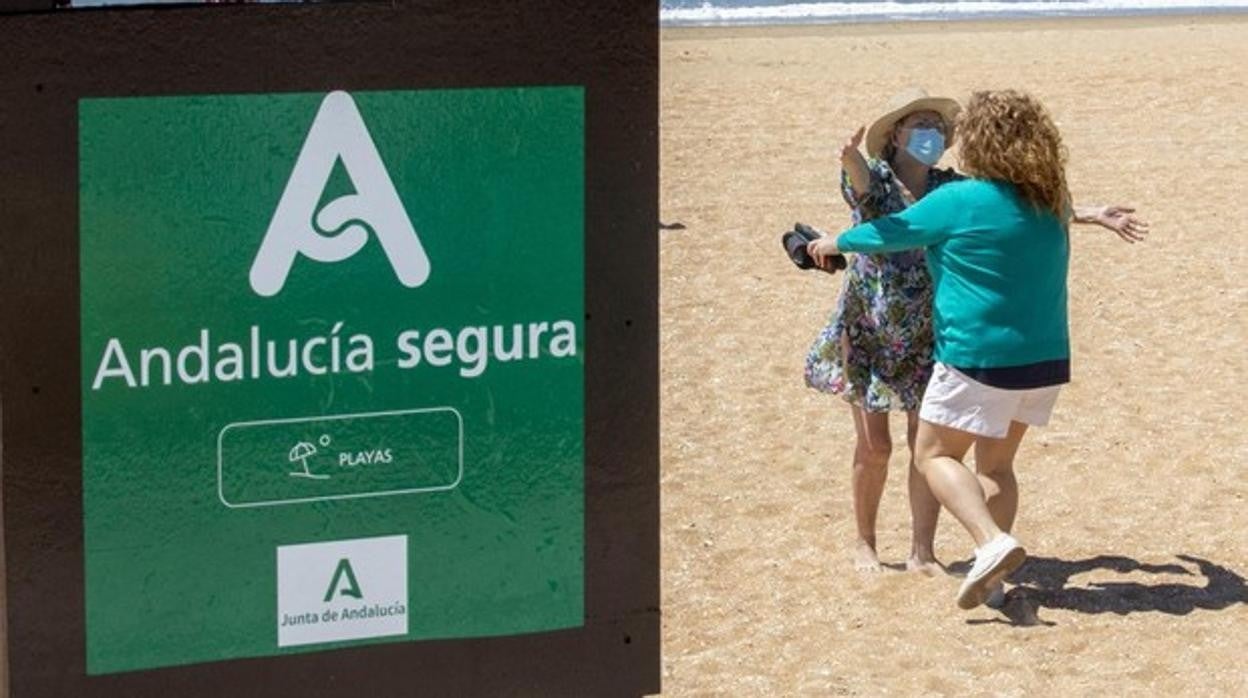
1041,583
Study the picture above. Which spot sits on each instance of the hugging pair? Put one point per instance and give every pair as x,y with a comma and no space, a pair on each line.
953,309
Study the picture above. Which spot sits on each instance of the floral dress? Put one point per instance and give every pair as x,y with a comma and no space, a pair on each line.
876,351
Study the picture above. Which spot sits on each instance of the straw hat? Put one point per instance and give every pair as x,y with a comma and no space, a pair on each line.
904,104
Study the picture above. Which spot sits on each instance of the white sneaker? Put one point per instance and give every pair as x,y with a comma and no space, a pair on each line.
999,557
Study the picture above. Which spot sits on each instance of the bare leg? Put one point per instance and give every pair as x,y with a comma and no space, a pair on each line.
871,452
924,511
994,463
940,453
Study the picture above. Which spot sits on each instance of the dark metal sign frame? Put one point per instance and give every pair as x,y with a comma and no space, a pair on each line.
52,59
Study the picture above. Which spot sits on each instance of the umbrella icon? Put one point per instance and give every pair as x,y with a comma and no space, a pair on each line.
301,453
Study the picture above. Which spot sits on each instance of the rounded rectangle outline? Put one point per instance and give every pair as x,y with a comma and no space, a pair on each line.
359,495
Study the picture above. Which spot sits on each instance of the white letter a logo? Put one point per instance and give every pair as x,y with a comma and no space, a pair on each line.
338,132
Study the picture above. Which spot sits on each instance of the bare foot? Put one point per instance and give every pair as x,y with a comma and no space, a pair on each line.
928,566
865,559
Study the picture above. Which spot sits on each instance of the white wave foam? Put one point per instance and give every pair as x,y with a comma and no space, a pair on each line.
710,13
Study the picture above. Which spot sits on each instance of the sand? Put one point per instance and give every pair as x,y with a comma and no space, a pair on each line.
1133,499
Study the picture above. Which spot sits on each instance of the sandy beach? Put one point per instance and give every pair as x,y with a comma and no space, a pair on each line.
1133,501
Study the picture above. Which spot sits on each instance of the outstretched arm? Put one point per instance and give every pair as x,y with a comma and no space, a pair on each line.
1115,218
926,223
856,177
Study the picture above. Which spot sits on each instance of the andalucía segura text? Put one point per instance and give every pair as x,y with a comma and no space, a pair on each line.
469,349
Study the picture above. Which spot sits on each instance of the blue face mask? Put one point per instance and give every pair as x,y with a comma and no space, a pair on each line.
926,145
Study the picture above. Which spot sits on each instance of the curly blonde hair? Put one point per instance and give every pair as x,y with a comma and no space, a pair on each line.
1009,135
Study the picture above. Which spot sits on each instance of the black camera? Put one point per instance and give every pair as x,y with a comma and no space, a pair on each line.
795,242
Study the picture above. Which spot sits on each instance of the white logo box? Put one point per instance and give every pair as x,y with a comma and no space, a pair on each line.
308,571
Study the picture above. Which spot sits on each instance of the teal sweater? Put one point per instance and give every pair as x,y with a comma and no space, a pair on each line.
998,266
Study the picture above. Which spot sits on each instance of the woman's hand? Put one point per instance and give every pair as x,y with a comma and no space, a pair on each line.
1115,218
855,165
822,251
1120,220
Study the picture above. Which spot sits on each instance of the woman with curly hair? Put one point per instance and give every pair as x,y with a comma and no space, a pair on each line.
997,247
876,352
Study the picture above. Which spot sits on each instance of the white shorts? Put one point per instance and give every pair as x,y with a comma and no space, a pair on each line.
955,400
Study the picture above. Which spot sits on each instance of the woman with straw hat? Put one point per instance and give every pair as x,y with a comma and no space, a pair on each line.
876,352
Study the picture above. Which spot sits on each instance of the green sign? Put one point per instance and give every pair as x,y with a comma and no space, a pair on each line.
332,370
